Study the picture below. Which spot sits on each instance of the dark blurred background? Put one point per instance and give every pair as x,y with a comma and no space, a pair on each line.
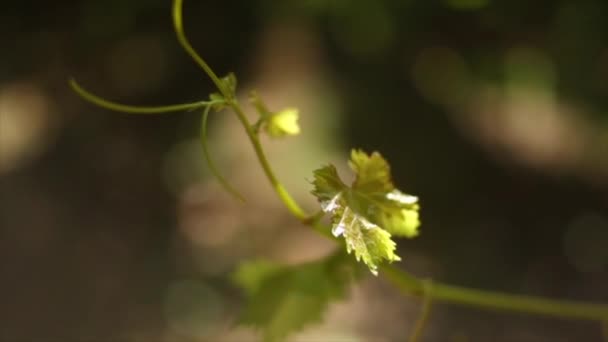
492,112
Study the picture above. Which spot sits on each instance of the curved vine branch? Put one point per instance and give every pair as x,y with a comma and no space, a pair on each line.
425,312
218,175
401,279
495,300
405,282
289,202
133,109
181,37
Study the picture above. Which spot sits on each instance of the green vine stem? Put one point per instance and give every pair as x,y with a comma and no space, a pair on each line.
207,155
425,312
405,282
183,41
495,300
134,109
289,202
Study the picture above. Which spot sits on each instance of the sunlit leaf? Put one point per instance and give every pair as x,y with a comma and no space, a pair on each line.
370,243
369,211
327,184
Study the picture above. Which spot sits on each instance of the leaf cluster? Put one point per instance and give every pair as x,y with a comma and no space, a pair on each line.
368,212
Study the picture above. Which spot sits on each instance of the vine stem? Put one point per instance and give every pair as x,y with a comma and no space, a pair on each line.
210,163
119,107
181,37
283,194
495,300
425,312
405,282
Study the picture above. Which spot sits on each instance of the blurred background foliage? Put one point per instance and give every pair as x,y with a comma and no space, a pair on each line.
493,112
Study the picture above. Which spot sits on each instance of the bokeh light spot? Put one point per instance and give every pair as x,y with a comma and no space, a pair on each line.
24,123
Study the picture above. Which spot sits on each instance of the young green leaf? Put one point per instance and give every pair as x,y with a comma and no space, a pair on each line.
276,124
370,243
283,299
283,123
229,81
369,211
219,101
327,185
379,200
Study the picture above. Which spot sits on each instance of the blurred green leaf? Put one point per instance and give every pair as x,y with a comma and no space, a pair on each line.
283,299
251,274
